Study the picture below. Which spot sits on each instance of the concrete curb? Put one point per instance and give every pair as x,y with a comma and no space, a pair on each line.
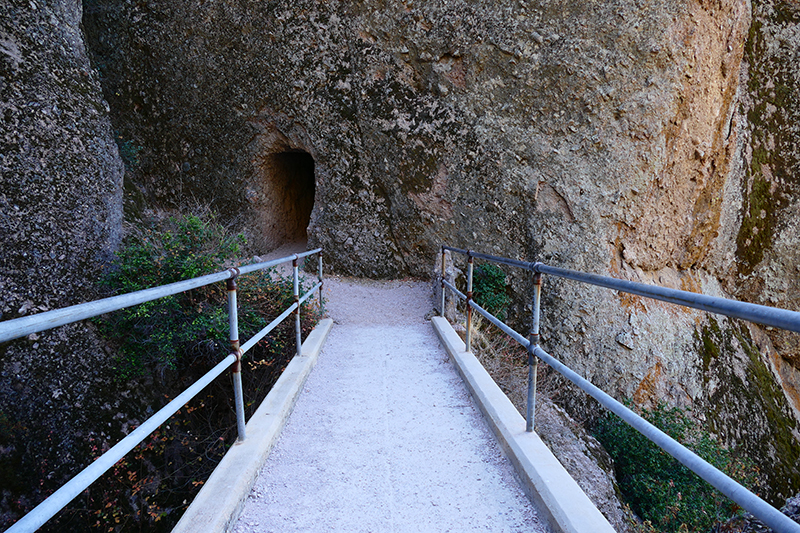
219,503
559,499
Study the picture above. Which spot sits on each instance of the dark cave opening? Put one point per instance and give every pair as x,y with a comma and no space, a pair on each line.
291,186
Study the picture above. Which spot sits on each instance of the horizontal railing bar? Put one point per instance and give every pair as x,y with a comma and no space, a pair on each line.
490,317
310,292
497,322
272,325
60,498
504,260
24,326
452,288
755,313
308,252
730,488
457,250
266,264
760,314
21,327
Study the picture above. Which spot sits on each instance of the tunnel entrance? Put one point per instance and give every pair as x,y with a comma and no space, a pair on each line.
289,187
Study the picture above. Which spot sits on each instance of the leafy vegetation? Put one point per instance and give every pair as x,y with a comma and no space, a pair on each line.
167,344
177,331
489,289
663,492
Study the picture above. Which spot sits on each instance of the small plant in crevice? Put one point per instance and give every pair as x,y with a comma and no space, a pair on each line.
664,493
489,289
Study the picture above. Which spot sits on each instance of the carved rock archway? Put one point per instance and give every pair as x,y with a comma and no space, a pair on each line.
283,189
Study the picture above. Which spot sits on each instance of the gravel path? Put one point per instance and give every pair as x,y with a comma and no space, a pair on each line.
385,437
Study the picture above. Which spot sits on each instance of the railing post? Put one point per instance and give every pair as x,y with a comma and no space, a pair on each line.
467,340
236,369
319,277
444,301
297,301
533,362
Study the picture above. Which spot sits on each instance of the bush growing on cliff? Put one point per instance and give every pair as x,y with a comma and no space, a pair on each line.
151,487
659,489
176,331
489,288
128,152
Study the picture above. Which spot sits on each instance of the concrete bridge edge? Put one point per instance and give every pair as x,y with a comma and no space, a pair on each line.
557,496
217,506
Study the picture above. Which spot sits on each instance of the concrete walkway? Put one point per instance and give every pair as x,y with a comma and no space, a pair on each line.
385,437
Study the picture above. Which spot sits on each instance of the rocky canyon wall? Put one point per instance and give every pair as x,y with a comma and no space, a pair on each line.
624,138
60,219
652,141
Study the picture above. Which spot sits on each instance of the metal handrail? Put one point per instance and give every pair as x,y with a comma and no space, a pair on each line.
756,313
760,314
20,327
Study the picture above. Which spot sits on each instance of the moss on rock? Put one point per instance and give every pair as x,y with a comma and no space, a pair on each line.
744,405
773,173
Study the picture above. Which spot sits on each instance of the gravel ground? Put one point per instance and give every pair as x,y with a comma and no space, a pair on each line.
385,437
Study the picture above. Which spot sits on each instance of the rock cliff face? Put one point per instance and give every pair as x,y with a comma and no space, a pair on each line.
59,169
60,217
650,141
428,123
768,260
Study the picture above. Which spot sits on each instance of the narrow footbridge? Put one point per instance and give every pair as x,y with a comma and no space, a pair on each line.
384,436
384,421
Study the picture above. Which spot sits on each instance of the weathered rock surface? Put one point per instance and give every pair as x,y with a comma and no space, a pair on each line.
656,142
611,137
766,247
60,217
585,459
449,121
60,173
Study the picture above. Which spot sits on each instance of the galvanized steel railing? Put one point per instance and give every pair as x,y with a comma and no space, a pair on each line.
21,327
760,314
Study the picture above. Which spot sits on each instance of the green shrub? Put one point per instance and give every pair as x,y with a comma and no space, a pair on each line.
489,289
150,488
660,489
186,328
